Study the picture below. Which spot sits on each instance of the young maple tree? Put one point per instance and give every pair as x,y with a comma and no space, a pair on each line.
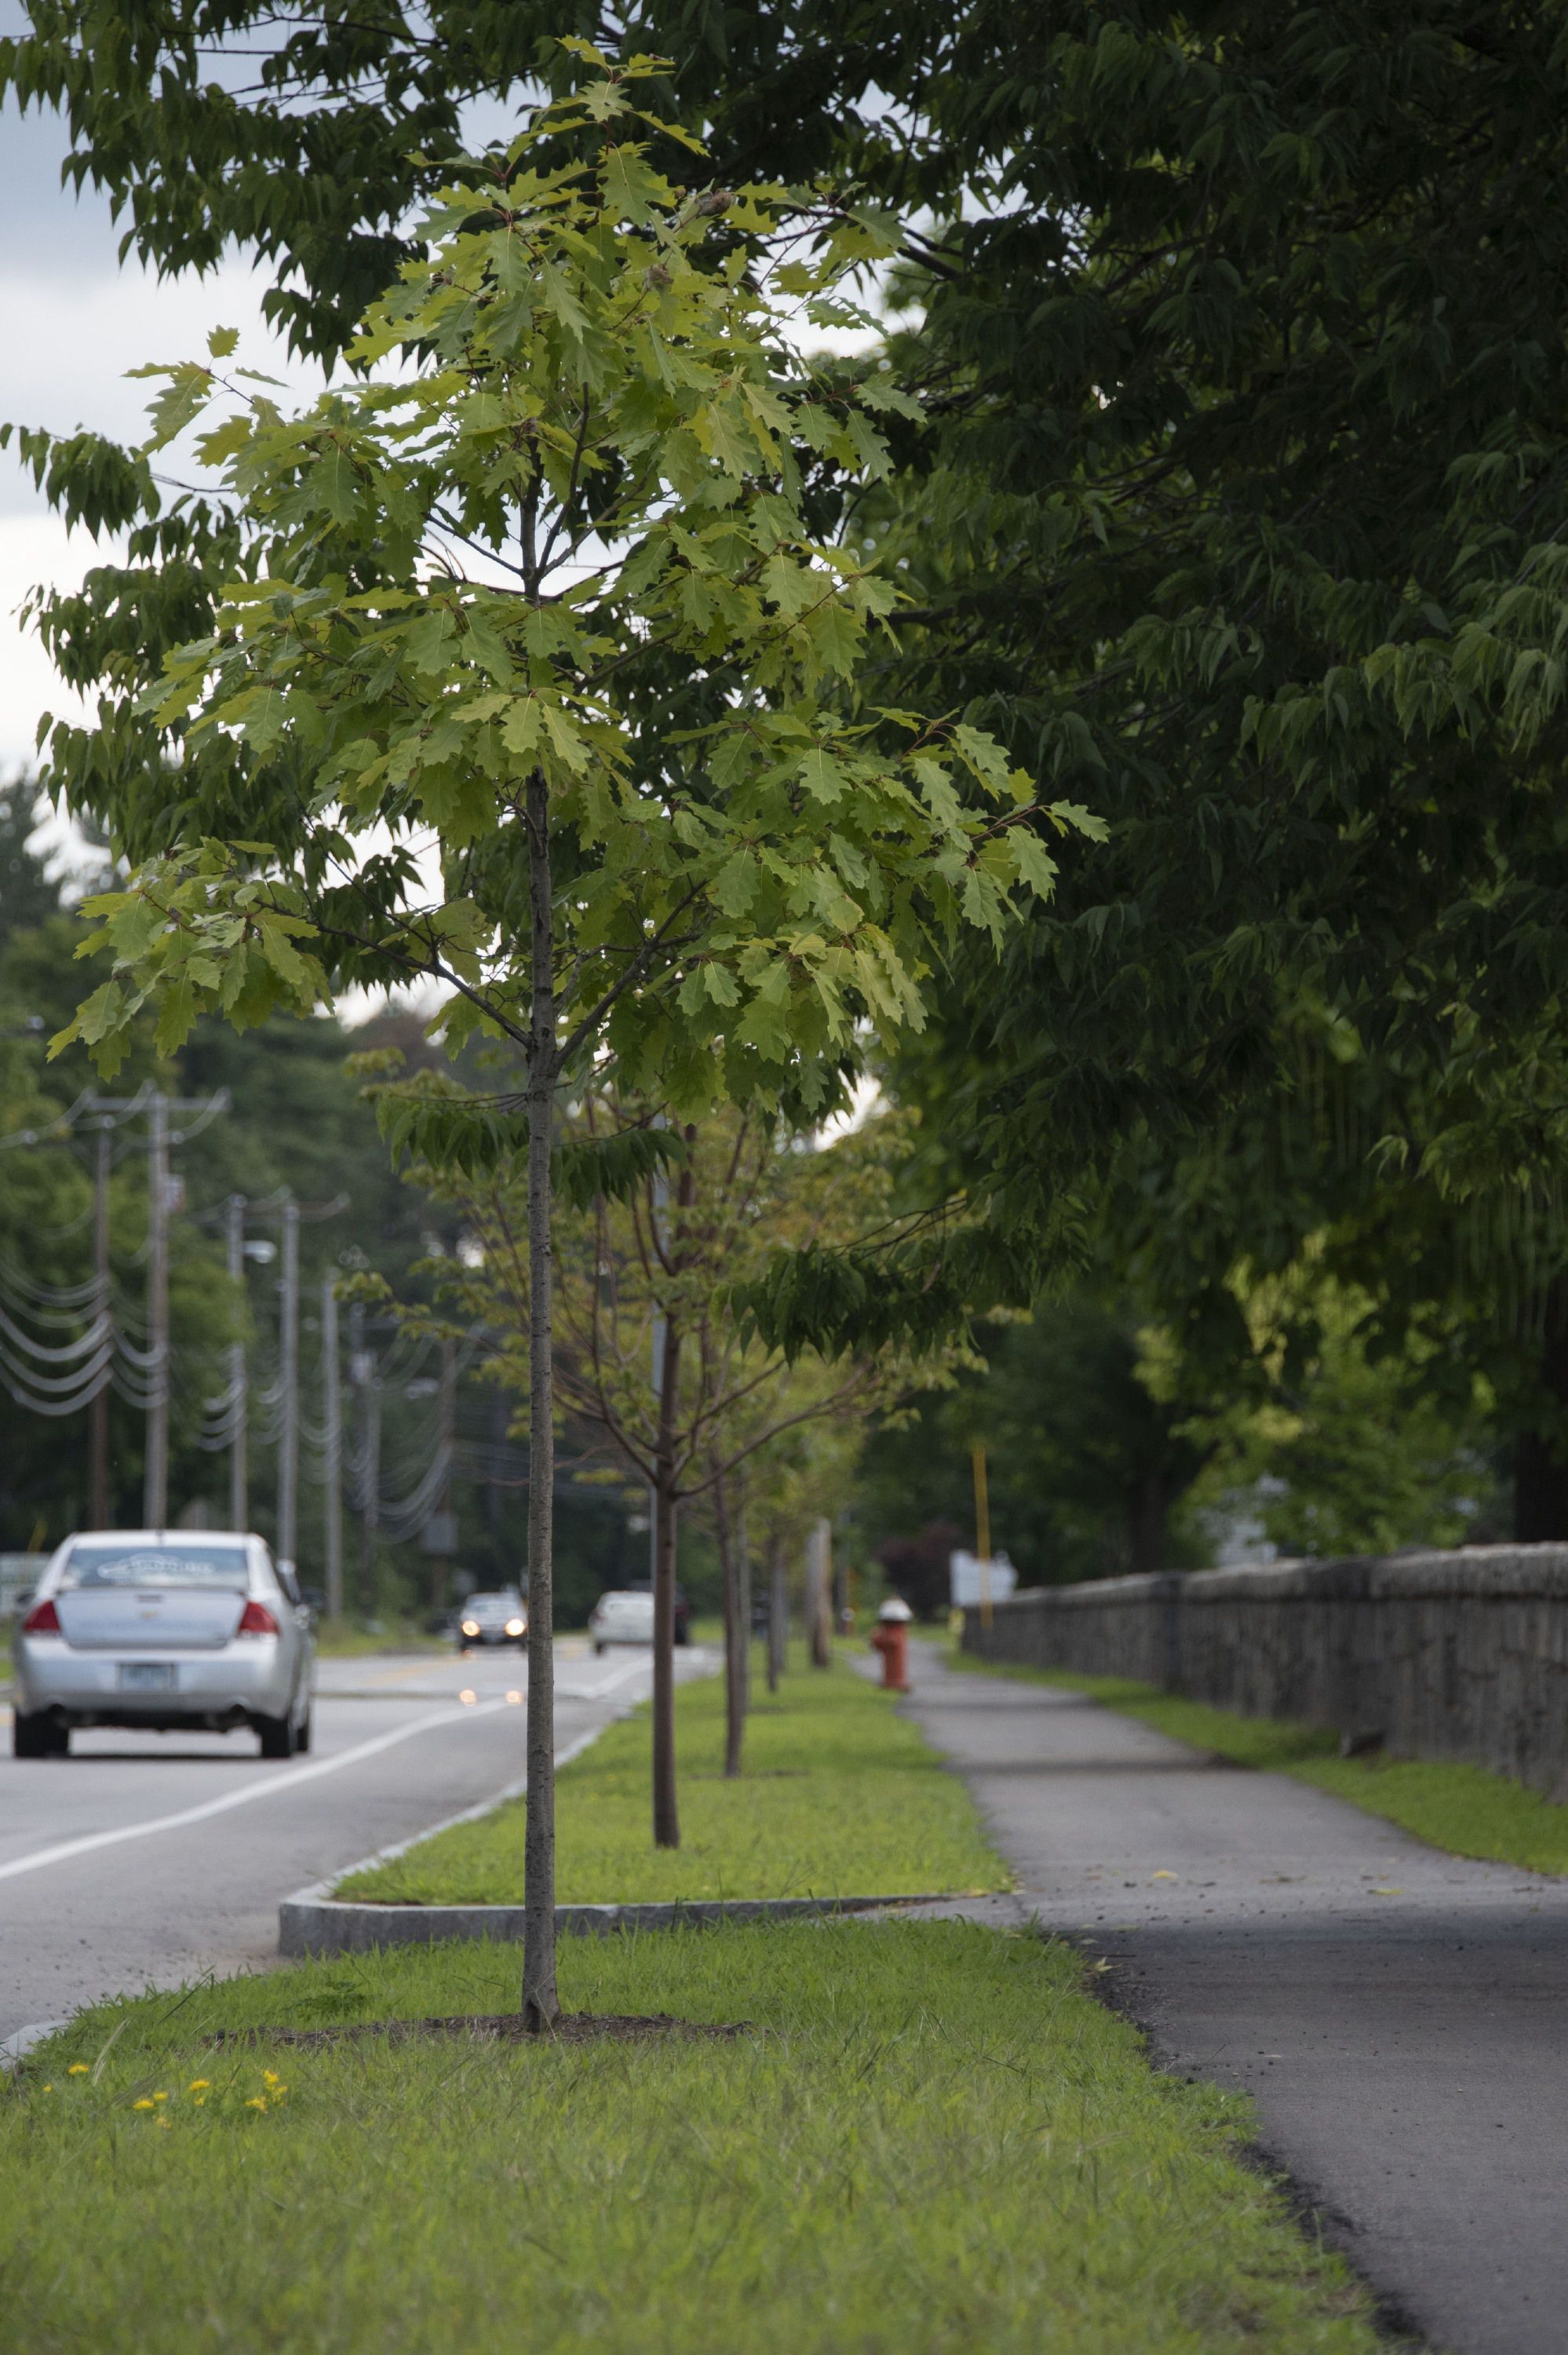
652,1365
531,681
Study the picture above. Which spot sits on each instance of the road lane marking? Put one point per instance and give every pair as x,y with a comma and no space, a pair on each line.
611,1683
291,1779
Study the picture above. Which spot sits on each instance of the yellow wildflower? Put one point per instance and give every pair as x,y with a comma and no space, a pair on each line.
200,2102
49,2089
269,2076
256,2102
78,2069
160,2097
143,2105
198,2084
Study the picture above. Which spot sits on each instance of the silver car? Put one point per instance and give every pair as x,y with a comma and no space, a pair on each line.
162,1630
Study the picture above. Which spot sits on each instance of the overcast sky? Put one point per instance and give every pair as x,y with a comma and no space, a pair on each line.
75,322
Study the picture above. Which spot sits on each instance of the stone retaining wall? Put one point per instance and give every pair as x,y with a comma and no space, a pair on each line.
1456,1655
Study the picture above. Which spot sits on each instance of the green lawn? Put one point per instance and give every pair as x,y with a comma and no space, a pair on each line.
342,1639
930,2141
1466,1809
841,1798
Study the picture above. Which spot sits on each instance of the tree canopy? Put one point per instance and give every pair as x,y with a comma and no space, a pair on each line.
1239,463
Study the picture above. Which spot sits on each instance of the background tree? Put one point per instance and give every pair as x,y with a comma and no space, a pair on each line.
653,1368
1086,1466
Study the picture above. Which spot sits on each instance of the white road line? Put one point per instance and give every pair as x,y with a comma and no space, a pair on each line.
612,1683
290,1780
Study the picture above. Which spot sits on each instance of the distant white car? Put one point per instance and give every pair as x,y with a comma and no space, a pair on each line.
621,1617
163,1630
500,1618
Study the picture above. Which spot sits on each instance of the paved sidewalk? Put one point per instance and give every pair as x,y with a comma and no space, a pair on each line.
1400,2017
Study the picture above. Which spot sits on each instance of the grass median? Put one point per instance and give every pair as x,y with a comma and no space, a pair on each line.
1468,1810
841,1797
929,2138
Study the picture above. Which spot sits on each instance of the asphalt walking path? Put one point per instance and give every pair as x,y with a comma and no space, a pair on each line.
1399,2016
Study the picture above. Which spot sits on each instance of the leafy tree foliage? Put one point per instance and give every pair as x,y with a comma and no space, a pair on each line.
1086,1466
28,895
1241,447
46,1237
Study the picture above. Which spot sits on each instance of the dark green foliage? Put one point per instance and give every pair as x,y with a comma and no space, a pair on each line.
27,894
1243,496
1085,1467
470,1135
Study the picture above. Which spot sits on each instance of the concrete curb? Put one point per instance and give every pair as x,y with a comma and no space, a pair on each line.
315,1923
15,2047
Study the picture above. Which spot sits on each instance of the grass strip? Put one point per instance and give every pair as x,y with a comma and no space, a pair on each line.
841,1798
1468,1810
930,2139
340,1639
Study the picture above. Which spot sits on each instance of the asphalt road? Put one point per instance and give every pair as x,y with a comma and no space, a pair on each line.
146,1860
1399,2016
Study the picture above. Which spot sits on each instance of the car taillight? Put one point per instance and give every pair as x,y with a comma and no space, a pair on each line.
256,1620
42,1620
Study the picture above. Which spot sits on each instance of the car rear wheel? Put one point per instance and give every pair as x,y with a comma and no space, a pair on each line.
277,1737
303,1734
38,1735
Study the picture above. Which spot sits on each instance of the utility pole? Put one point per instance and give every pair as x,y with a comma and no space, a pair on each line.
289,1388
982,1526
98,1411
156,1484
239,1381
332,1417
157,1107
446,1441
362,1370
290,1215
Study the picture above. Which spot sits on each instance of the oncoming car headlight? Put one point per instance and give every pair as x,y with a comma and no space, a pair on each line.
470,1626
516,1627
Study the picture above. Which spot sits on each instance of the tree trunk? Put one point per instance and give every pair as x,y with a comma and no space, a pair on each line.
777,1611
666,1812
734,1633
541,2006
818,1601
743,1597
1540,1455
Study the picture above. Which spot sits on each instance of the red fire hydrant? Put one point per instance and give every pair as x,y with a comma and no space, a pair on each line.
890,1636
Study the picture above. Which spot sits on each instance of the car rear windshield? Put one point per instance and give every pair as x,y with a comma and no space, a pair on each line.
222,1567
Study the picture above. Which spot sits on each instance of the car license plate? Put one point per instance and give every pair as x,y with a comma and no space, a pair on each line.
148,1676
